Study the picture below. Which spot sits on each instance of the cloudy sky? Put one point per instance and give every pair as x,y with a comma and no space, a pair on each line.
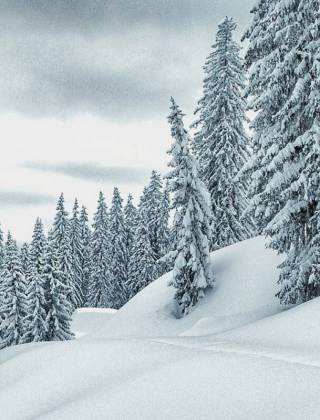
84,92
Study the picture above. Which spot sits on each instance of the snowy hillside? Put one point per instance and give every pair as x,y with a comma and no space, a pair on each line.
231,358
245,288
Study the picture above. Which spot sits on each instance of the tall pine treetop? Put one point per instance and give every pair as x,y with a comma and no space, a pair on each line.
61,222
221,143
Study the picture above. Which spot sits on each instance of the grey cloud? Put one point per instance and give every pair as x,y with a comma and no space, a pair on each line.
91,171
22,198
116,58
67,90
104,15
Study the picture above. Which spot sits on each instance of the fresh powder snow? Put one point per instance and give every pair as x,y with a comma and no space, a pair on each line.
232,357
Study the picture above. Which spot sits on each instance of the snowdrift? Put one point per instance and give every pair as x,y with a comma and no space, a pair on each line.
246,277
237,356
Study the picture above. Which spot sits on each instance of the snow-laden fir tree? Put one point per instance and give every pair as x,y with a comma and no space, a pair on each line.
38,305
37,257
99,284
118,252
86,255
151,211
2,259
38,289
310,267
2,250
164,229
283,58
59,306
130,223
24,260
191,200
13,296
221,143
75,234
38,246
60,235
266,139
143,269
24,257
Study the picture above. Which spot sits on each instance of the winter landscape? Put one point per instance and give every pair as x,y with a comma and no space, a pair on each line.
188,287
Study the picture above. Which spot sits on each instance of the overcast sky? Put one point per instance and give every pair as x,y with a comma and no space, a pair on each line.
84,93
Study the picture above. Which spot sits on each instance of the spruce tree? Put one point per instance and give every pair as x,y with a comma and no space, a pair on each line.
38,246
164,230
130,222
143,269
310,267
9,325
2,250
38,289
13,296
99,294
2,260
118,252
86,255
60,235
60,308
38,306
24,260
192,272
283,58
266,136
153,209
24,257
75,234
221,143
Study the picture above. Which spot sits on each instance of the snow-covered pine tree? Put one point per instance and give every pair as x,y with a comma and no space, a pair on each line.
2,260
38,289
153,207
36,321
60,235
2,250
38,246
24,260
130,223
221,143
164,230
264,144
283,58
13,296
24,257
75,234
60,308
99,284
310,267
117,252
153,210
143,269
192,272
86,256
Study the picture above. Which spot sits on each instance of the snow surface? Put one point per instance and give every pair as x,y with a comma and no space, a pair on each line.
245,290
90,321
236,356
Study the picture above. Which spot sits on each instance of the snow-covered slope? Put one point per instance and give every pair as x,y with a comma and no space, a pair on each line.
245,290
88,322
237,356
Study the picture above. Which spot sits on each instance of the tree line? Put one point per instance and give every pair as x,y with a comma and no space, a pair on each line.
76,265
